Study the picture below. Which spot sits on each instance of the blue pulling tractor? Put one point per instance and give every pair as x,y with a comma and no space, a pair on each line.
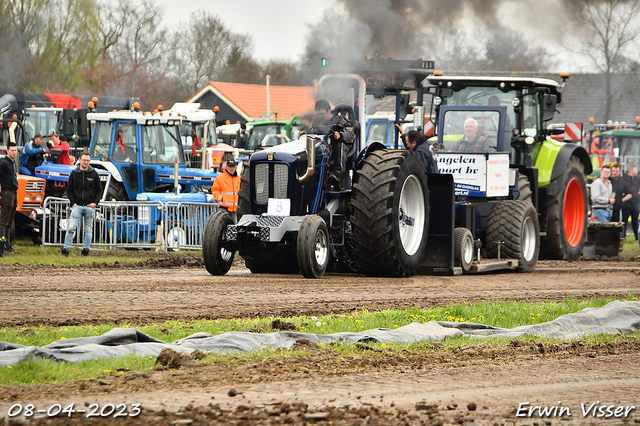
135,152
389,218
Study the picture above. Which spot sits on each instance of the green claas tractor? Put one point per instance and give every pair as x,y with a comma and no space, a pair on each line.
560,195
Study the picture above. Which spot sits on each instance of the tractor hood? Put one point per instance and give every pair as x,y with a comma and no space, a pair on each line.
186,176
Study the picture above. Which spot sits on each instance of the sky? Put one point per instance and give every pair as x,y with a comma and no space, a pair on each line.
277,28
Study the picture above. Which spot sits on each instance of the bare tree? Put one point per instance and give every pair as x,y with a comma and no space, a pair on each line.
114,19
205,48
611,29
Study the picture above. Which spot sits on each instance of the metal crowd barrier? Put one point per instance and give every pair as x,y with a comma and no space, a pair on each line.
136,225
598,160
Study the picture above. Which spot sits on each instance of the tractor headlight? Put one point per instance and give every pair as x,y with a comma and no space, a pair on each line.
515,102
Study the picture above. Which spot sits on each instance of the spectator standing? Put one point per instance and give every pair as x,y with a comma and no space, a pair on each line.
63,146
418,143
226,187
631,207
8,197
601,196
620,191
31,156
84,191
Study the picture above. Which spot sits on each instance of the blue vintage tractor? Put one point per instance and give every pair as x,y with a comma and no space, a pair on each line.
135,152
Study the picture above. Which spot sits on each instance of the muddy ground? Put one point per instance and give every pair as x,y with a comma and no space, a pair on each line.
474,385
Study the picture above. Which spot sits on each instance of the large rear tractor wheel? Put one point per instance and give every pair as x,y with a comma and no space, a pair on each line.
313,247
463,248
567,216
390,213
514,226
217,252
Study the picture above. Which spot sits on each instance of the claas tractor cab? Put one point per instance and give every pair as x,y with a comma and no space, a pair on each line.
550,174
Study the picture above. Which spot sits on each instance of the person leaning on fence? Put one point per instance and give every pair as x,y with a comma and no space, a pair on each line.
226,187
8,197
84,191
601,196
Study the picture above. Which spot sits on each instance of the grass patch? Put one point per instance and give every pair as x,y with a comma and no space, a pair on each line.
494,313
31,254
631,248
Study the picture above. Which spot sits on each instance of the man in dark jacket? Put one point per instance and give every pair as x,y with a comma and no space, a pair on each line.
418,143
631,207
620,191
340,135
8,197
84,191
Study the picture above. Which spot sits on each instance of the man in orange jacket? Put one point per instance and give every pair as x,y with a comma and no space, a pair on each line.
225,189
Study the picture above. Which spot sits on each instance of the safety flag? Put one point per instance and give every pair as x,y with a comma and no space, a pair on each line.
572,132
196,143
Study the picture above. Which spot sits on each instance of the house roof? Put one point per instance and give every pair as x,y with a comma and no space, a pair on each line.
250,100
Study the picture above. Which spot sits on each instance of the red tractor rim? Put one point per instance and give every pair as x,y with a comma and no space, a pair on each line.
574,212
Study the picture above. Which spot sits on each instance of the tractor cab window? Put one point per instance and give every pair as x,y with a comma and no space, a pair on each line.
124,144
101,139
530,115
471,131
37,121
629,150
377,132
491,96
258,134
161,144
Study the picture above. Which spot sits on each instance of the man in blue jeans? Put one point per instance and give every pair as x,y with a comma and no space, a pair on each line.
602,196
84,191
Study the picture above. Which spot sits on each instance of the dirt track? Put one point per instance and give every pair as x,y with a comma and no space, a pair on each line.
372,389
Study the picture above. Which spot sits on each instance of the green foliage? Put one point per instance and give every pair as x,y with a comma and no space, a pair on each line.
631,248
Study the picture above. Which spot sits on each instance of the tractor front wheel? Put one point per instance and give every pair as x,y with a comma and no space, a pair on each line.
463,248
217,252
313,247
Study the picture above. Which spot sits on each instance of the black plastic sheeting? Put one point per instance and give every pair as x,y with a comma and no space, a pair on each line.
616,317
